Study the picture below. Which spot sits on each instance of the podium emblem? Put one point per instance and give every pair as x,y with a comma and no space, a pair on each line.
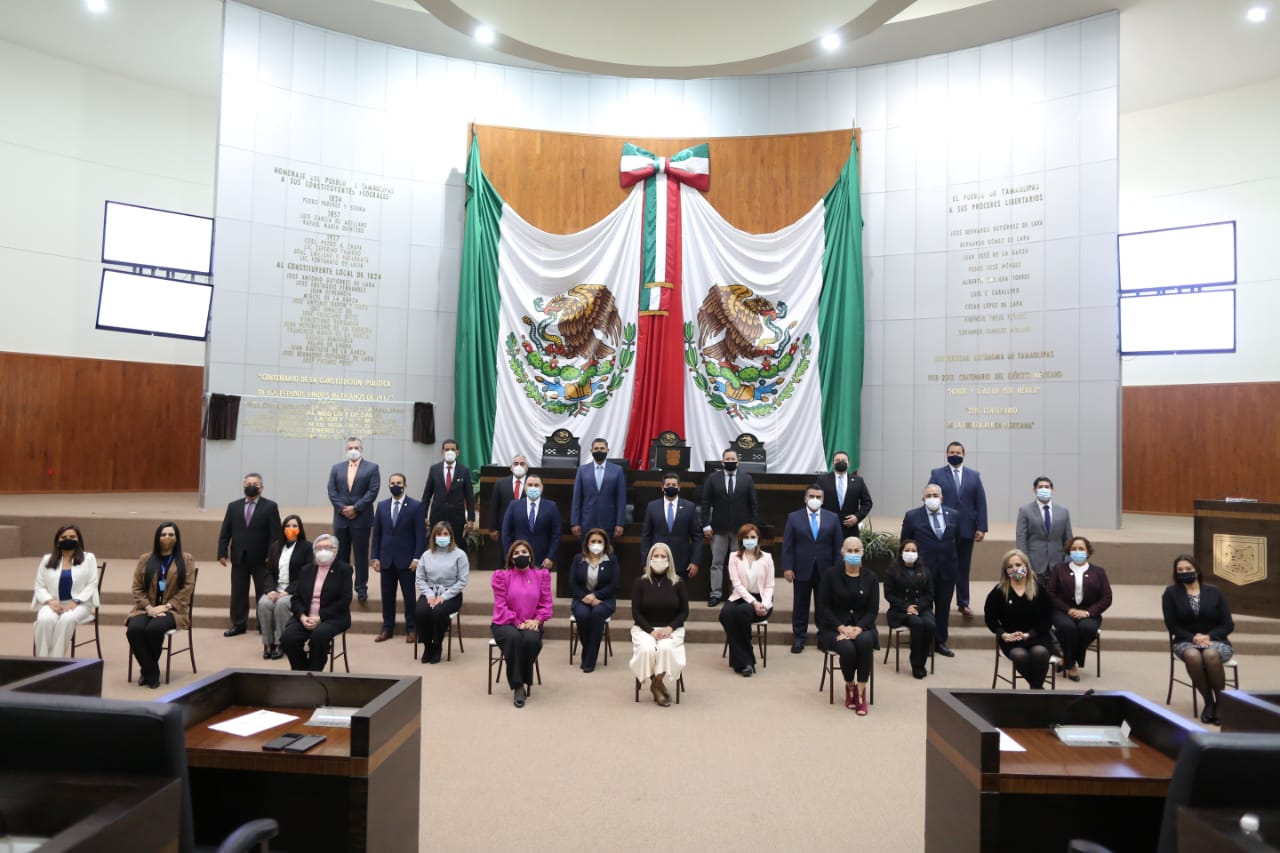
562,436
1242,560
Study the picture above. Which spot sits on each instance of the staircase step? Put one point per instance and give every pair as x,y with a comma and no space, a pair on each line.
10,541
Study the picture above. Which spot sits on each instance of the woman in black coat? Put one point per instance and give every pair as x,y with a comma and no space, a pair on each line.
321,600
848,601
1080,593
908,588
593,584
1199,623
1018,612
285,559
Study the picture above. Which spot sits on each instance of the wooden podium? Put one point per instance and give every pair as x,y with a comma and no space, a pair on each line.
357,791
86,812
67,676
1237,545
1253,711
979,798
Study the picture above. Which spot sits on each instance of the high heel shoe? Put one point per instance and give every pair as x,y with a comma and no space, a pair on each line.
861,708
850,697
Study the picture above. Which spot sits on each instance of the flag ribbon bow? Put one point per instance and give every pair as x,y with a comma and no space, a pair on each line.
691,166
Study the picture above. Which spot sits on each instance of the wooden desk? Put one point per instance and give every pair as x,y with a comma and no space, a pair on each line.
85,812
1049,766
1249,711
67,676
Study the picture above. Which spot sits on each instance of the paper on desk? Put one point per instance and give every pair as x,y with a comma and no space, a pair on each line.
1008,744
253,722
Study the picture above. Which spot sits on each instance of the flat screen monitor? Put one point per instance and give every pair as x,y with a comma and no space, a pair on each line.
1178,257
138,236
1171,323
149,305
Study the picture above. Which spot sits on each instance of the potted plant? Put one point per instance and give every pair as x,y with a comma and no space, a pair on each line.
879,550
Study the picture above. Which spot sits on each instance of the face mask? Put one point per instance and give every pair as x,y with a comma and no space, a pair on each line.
518,471
659,565
442,542
933,503
814,504
291,534
1185,578
600,455
67,544
450,455
353,455
1079,557
842,466
596,547
730,466
955,460
1016,574
534,492
909,557
397,491
251,491
671,491
1044,494
521,561
750,544
324,556
853,559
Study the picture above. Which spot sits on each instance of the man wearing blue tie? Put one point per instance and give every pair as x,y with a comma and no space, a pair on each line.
962,491
811,542
673,521
599,494
934,528
536,520
399,538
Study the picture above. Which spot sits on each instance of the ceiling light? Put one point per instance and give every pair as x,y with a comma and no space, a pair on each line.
96,6
830,41
484,35
1257,14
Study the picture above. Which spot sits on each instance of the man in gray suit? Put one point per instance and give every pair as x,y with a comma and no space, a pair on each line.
1044,530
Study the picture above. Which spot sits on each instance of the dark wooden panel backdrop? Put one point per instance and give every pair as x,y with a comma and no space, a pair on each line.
90,425
1183,442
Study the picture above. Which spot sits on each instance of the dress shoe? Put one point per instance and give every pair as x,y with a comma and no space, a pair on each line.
588,669
519,696
363,597
850,698
944,650
660,694
266,653
1209,715
797,647
919,672
714,600
234,631
747,671
965,611
411,638
1075,677
382,637
277,653
434,657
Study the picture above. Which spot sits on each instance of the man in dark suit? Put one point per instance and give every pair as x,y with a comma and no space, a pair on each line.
249,527
728,502
845,493
309,634
399,539
673,520
448,495
962,491
599,495
935,529
353,491
506,491
811,543
537,521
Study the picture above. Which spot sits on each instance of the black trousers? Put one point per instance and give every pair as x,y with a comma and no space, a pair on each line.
737,618
964,555
240,575
802,593
146,639
856,656
591,627
942,592
434,622
392,580
922,629
520,650
1075,637
308,650
1031,660
353,546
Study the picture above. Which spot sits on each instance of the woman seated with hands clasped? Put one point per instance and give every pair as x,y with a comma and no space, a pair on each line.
440,578
848,601
321,602
161,600
593,584
66,591
1080,592
285,558
751,574
659,606
909,590
1199,621
1018,613
521,605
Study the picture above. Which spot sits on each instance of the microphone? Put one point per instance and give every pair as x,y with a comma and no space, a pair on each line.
325,687
1064,716
329,714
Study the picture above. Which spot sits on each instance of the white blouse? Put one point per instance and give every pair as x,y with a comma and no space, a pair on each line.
286,554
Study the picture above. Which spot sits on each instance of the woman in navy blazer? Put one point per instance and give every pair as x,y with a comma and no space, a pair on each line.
308,636
593,584
1199,623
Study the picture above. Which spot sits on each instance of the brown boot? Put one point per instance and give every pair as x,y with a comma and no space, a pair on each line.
659,691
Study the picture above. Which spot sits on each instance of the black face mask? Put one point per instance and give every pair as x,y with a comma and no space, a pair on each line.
1185,578
521,561
671,491
600,455
397,491
842,466
955,460
251,491
67,544
730,466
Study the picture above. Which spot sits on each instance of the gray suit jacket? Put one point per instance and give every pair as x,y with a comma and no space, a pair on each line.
1045,550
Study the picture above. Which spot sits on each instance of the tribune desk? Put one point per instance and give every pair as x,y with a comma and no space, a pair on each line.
978,798
357,791
67,676
87,813
1249,711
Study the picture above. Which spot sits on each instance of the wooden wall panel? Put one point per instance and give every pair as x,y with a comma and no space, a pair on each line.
1183,442
563,182
90,425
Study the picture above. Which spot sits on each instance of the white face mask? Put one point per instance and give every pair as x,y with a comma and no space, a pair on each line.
933,503
324,556
659,565
449,456
909,557
596,547
814,504
353,455
518,471
750,544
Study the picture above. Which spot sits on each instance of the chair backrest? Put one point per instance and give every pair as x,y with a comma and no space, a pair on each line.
1217,770
102,573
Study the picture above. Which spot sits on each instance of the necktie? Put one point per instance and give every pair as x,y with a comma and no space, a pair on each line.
936,517
352,468
1048,522
533,514
671,515
840,491
955,472
448,477
813,525
730,489
599,477
515,491
248,512
395,512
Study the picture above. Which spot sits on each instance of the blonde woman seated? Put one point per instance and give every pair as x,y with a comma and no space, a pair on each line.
66,591
1018,612
659,606
751,574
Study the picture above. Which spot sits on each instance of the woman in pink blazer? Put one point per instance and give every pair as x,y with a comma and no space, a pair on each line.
751,573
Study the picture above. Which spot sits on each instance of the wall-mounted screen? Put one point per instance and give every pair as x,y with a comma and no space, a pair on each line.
1178,257
145,237
148,305
1168,323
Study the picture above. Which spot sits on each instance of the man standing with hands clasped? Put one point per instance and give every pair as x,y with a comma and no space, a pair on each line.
448,495
353,490
399,538
845,493
962,491
599,495
728,502
811,544
249,527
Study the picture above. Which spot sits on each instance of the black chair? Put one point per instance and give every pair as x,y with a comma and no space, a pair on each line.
456,618
831,669
334,654
1012,678
1232,668
496,659
96,639
574,640
190,647
761,627
679,687
895,643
